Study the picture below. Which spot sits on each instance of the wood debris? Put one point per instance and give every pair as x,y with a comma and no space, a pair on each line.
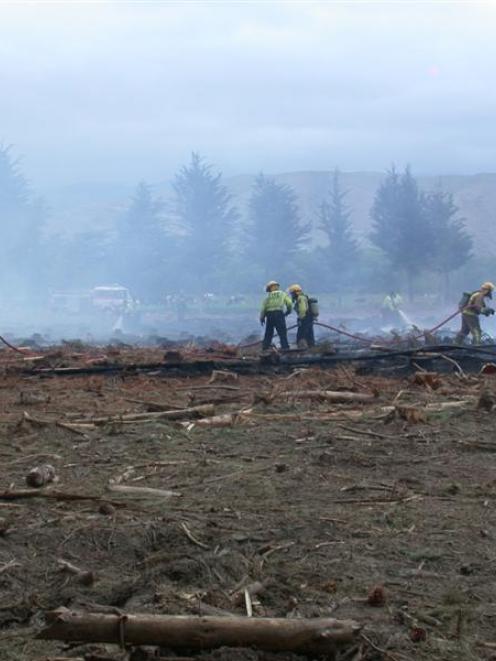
291,506
306,636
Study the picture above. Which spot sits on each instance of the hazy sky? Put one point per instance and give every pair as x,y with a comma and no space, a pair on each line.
119,91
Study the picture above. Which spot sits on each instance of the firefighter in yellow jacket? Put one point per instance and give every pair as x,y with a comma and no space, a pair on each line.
471,307
275,308
304,336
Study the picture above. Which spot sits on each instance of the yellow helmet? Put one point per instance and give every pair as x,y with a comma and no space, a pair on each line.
272,284
295,289
487,286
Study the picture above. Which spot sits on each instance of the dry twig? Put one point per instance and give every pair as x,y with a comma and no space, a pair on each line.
192,538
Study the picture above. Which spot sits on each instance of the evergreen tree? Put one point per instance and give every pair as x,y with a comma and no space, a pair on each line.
81,260
277,234
205,215
401,227
22,218
452,243
341,253
141,245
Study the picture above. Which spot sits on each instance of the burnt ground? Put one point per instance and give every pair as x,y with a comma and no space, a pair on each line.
321,502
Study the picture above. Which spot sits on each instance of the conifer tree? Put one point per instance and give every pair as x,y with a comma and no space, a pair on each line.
276,232
401,227
341,253
140,249
452,243
206,218
22,217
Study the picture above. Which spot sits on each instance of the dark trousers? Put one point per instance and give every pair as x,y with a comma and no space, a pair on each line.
275,321
305,331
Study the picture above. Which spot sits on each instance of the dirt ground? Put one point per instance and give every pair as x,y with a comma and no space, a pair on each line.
321,502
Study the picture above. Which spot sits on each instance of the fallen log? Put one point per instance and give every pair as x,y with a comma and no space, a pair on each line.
314,636
335,396
224,420
144,492
193,412
343,416
53,494
155,407
443,406
196,399
76,429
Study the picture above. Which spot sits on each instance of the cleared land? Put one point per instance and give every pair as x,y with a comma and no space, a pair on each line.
380,510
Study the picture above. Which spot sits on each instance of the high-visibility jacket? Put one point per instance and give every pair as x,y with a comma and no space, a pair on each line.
276,301
476,303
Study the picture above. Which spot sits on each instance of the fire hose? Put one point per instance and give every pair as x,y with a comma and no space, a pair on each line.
395,340
340,331
11,346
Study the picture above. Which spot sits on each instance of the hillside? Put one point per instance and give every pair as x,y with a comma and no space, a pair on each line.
90,206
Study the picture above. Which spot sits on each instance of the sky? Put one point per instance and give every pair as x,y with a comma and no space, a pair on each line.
117,91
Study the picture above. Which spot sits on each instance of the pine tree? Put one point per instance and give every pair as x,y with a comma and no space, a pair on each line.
21,220
82,260
141,245
275,229
452,243
401,227
205,215
341,253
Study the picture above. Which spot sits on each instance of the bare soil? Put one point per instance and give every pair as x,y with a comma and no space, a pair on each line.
324,503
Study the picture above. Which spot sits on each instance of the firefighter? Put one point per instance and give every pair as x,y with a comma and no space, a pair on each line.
275,308
390,309
471,307
304,336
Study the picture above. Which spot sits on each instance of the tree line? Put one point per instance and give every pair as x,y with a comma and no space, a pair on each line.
197,240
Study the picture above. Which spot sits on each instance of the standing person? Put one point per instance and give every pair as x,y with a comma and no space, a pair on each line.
275,307
304,336
471,307
391,308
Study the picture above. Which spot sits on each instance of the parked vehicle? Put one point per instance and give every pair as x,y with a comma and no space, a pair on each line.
112,298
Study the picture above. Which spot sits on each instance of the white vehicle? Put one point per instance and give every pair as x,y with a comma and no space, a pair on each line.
113,298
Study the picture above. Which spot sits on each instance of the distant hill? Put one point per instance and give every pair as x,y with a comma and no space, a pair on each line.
92,206
85,207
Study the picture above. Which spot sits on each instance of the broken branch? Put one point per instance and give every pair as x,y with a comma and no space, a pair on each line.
146,492
191,412
83,577
337,396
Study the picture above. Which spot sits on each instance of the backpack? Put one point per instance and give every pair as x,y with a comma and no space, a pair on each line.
464,301
313,307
